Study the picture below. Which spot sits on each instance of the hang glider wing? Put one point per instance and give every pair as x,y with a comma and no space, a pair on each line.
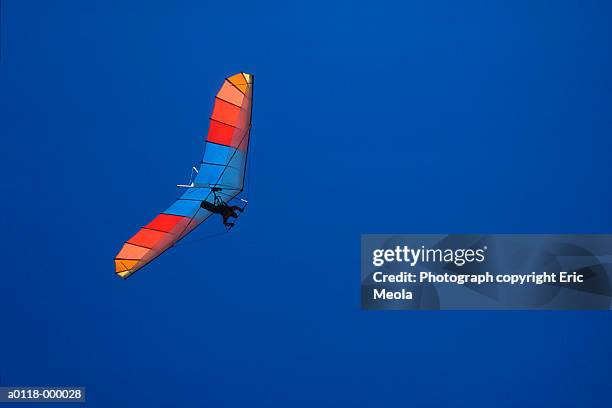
222,167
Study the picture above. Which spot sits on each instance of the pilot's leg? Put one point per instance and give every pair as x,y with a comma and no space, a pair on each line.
227,224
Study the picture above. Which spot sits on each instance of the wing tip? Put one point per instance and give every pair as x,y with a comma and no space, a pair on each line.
125,267
241,78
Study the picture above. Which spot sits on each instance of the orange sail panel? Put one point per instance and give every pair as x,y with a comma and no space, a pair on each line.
222,168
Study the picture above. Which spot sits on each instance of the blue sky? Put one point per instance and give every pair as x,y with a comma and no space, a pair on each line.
430,117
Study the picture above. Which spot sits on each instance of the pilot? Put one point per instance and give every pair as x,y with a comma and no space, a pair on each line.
224,209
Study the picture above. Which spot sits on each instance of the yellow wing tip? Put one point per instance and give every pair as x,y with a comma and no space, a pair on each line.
123,275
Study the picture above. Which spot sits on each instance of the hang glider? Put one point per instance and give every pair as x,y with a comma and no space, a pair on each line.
219,178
